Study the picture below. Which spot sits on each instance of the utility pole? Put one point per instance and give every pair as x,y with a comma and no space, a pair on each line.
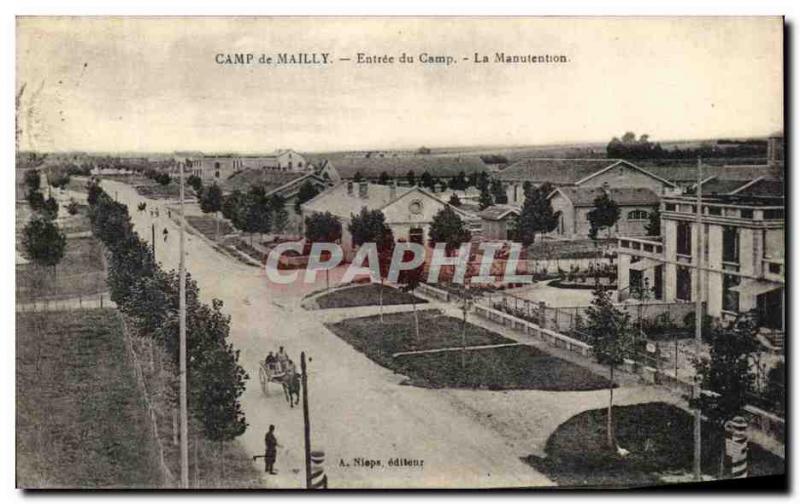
698,320
182,308
153,235
306,422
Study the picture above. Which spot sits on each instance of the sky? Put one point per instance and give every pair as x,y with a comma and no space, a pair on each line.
153,84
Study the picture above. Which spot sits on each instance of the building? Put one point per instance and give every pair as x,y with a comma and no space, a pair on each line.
583,173
397,168
497,222
217,168
743,255
409,211
572,205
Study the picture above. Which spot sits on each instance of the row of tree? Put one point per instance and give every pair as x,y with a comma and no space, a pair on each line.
630,147
149,296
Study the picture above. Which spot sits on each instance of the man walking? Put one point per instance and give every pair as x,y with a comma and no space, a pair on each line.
270,450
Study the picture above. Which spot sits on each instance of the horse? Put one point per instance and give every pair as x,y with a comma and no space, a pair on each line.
291,388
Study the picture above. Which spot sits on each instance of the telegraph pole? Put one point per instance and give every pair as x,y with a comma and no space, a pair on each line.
182,308
306,422
698,320
153,236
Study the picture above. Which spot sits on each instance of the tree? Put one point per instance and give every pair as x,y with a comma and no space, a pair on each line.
448,228
323,228
536,216
280,217
653,227
163,178
485,199
611,336
72,207
775,392
211,201
195,183
33,180
369,226
604,214
726,374
459,182
305,193
35,200
383,178
411,178
218,380
498,192
44,243
254,215
455,200
230,204
50,208
423,150
426,180
409,280
59,179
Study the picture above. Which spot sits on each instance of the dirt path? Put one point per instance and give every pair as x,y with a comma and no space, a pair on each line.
359,411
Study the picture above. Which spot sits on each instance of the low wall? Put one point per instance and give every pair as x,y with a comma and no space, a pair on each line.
551,337
433,292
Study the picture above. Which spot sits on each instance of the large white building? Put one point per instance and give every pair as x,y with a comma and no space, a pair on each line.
743,254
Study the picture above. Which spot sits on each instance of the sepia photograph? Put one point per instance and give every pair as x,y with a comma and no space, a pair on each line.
399,253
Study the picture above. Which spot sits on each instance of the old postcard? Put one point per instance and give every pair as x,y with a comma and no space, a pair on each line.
399,253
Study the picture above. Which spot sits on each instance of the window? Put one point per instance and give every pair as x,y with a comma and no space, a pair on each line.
669,207
730,244
730,298
416,235
714,211
684,284
637,215
684,238
746,213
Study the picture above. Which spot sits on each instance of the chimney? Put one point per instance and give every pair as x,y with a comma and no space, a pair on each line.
349,187
362,189
393,189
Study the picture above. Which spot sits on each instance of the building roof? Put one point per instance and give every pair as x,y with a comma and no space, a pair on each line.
269,180
688,174
498,212
437,166
623,196
555,171
561,172
759,186
763,187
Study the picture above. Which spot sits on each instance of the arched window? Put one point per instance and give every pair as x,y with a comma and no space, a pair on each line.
637,215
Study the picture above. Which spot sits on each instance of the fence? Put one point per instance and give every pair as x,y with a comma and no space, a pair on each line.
763,421
102,300
166,473
566,319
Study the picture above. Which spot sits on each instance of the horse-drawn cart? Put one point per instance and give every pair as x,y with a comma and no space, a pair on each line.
270,373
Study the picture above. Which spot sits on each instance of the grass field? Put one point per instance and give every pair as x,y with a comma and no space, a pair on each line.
80,417
80,273
366,295
207,225
659,438
504,368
